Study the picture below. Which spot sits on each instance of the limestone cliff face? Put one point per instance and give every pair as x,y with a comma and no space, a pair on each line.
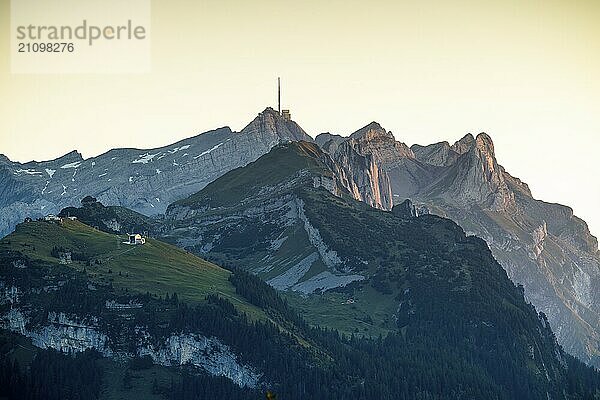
70,333
146,181
475,177
370,183
542,246
375,141
210,354
61,332
367,153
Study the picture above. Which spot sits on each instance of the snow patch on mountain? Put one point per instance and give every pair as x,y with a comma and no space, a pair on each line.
75,164
144,158
176,149
209,150
28,171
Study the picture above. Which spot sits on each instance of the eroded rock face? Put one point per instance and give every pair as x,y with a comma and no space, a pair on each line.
542,246
62,332
146,181
475,177
439,154
209,354
368,182
366,154
74,334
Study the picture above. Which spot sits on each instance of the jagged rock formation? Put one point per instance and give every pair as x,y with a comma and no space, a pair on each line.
146,181
406,209
376,149
542,246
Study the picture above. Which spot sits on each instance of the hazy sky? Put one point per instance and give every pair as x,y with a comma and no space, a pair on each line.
526,72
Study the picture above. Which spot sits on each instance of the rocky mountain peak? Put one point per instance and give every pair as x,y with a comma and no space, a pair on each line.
477,175
374,140
483,149
325,137
438,154
463,145
70,157
4,159
485,144
270,122
372,131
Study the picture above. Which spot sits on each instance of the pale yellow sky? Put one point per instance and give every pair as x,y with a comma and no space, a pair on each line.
526,72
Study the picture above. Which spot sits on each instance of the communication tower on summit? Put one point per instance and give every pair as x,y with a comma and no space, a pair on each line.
284,113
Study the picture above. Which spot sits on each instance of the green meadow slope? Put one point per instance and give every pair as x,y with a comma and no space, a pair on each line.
155,267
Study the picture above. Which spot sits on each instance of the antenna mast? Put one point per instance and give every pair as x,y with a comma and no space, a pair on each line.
279,95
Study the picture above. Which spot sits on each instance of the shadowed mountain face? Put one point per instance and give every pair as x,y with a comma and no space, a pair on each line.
542,246
144,180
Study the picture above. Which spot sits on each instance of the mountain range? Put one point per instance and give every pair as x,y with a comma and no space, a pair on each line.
85,314
270,217
146,181
542,246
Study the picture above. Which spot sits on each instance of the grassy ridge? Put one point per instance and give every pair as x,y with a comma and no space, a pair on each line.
240,183
155,267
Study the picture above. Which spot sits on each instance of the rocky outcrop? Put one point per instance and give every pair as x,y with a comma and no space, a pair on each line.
380,144
438,154
368,181
542,246
62,333
464,144
368,153
210,354
146,181
329,142
475,177
74,334
406,209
